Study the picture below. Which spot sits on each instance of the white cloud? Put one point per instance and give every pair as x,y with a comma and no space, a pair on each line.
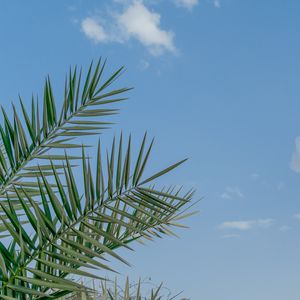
189,4
246,225
93,30
138,22
295,160
241,225
232,192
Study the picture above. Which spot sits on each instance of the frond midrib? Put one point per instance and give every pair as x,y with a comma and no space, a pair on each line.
61,234
35,150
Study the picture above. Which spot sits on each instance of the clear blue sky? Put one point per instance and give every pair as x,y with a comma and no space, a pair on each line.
215,81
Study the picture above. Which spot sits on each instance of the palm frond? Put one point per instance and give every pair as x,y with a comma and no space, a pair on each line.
132,291
28,138
74,232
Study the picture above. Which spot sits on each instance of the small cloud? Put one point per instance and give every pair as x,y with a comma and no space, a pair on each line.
121,1
93,30
138,22
230,236
232,192
241,225
295,159
297,216
247,225
285,228
189,4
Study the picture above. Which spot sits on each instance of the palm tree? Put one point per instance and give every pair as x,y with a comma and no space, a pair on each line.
55,228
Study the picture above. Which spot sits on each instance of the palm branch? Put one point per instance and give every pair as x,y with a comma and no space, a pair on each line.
27,139
68,231
128,291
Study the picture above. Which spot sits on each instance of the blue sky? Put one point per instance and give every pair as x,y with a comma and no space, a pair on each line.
215,81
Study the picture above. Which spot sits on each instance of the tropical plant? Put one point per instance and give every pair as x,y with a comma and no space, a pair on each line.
112,290
55,227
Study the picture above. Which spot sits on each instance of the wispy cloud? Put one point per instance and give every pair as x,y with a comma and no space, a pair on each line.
189,4
295,159
232,192
247,225
144,25
137,22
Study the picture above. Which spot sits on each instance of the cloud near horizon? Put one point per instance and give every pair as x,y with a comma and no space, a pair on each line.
189,4
232,192
247,225
135,22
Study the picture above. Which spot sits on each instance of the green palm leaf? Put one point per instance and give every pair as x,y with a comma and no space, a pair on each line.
27,139
74,231
128,291
56,228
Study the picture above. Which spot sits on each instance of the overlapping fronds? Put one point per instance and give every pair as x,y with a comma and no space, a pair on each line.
128,293
73,234
141,290
26,140
58,228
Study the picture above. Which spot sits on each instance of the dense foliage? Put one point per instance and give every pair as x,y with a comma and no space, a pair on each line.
55,226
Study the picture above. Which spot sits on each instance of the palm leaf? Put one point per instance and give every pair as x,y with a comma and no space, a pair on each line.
27,140
59,230
74,230
128,291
